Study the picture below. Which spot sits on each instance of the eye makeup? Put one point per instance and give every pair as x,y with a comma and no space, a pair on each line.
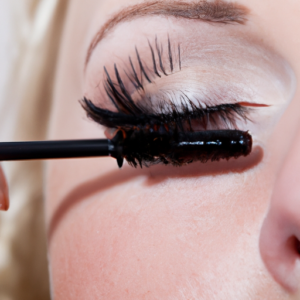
157,129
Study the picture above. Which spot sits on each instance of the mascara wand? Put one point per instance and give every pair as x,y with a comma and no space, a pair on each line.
139,148
60,149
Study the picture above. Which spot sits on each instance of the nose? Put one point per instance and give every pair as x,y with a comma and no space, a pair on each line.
280,233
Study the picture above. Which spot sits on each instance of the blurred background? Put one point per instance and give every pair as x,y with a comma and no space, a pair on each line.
30,34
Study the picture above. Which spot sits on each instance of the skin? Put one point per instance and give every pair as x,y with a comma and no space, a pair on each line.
197,232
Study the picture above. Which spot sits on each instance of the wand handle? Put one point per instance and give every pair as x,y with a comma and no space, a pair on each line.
56,149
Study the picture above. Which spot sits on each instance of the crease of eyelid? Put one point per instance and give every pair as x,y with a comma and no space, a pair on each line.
217,11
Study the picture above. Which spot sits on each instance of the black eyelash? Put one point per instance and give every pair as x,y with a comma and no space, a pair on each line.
157,64
170,54
143,117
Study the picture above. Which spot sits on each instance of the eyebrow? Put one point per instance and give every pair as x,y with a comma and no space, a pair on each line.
217,11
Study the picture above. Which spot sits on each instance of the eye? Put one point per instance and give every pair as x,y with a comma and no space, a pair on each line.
175,86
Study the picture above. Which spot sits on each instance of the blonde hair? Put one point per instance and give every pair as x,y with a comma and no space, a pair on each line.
31,38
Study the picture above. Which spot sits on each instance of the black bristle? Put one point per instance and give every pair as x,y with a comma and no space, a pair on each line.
120,161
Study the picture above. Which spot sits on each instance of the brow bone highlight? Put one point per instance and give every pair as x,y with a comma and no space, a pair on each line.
210,11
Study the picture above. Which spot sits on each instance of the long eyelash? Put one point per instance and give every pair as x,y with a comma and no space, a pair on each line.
172,116
160,53
179,56
143,72
170,54
118,93
153,60
136,82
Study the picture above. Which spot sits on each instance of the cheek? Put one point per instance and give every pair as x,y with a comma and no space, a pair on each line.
163,237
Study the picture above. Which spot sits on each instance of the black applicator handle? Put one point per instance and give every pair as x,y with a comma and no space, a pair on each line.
60,149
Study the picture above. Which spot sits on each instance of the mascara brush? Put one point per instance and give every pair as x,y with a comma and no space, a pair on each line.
139,148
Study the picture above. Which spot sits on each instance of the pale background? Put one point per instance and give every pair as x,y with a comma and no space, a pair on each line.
30,33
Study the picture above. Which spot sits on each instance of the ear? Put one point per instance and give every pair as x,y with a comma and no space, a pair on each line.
4,199
280,234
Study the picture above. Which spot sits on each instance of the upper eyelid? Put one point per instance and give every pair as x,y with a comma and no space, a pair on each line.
172,55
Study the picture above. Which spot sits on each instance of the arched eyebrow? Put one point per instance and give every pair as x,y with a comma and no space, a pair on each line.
217,11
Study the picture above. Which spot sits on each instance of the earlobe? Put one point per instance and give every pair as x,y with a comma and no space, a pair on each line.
280,233
4,198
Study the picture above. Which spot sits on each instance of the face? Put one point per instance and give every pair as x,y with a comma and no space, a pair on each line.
215,230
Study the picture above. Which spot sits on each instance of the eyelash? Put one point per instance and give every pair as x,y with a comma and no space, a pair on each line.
141,117
117,91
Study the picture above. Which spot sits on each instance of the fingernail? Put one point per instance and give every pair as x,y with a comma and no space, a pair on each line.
4,202
4,199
